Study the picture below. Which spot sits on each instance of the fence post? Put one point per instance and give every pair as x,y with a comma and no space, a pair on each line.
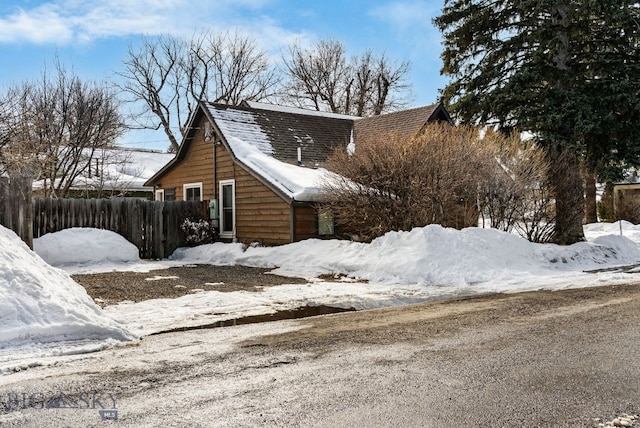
16,210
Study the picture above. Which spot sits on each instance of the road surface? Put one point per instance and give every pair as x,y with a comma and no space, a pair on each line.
540,359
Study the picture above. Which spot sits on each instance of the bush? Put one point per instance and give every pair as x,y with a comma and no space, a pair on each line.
516,195
446,175
398,184
198,232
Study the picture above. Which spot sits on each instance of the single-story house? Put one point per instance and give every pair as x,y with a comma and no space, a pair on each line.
262,165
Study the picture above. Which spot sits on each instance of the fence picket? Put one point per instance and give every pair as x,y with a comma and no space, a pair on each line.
153,227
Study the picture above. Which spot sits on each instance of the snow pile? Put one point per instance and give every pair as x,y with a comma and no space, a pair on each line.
619,228
41,305
430,255
399,268
82,246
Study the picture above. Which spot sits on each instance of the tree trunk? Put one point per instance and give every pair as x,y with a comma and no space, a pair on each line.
568,189
590,206
607,203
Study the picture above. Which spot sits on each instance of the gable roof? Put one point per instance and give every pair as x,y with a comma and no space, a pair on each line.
280,131
265,139
266,143
404,123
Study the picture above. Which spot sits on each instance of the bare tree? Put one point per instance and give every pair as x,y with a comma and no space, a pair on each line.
151,76
319,76
57,123
169,76
232,69
515,195
16,159
323,78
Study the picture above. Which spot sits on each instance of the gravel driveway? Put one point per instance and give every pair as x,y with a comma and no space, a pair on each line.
113,287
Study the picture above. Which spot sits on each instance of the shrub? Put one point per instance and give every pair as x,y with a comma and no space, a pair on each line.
516,195
198,232
398,184
446,175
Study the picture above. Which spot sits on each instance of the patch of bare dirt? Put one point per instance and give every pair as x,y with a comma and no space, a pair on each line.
112,287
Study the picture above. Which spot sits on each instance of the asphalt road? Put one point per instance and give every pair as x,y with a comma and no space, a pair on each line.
541,359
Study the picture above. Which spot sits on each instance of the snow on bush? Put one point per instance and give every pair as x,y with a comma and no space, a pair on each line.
198,232
41,304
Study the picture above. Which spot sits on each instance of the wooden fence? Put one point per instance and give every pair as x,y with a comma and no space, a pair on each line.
152,226
15,206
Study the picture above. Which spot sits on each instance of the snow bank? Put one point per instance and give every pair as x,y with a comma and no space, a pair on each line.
430,255
40,304
77,246
401,267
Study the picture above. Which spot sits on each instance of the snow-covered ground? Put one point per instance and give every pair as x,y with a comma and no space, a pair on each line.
398,268
43,311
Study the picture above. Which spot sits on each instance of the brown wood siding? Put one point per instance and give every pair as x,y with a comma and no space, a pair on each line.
261,215
306,223
196,167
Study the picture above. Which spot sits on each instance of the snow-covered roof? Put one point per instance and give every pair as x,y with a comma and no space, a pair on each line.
298,183
241,124
287,148
285,109
270,142
121,168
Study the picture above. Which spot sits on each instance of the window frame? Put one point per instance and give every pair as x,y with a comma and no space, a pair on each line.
221,209
159,195
326,222
188,186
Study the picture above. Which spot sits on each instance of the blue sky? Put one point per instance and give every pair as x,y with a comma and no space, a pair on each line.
92,36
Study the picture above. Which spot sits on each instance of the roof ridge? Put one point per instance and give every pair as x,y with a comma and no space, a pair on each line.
255,105
432,106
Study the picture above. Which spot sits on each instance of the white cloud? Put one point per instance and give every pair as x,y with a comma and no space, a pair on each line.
80,21
40,25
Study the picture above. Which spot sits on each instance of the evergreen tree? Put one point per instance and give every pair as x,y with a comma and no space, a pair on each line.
566,70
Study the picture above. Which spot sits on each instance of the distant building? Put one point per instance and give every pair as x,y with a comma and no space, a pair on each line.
118,172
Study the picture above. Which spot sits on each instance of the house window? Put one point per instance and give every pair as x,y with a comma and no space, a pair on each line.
170,194
325,222
160,195
192,192
227,208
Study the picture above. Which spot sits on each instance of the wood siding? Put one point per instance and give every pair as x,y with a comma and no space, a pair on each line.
261,214
196,167
306,223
